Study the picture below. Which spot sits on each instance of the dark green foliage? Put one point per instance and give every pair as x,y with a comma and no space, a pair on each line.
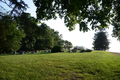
97,12
56,49
100,41
74,50
29,26
82,50
48,37
88,50
10,36
116,30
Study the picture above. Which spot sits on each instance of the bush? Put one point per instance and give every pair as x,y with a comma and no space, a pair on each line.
74,50
88,50
82,50
56,49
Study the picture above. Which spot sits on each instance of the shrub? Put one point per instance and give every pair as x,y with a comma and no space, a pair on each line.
82,50
88,50
56,49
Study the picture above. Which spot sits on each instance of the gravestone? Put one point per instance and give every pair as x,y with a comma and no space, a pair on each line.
14,52
20,52
45,51
69,51
33,51
49,51
25,52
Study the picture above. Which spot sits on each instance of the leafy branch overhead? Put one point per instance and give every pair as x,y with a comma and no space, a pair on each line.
98,12
17,6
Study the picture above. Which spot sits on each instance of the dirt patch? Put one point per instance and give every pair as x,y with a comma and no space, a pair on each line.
115,53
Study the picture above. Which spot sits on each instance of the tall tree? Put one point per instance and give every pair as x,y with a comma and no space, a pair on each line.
10,35
57,37
29,25
48,37
100,41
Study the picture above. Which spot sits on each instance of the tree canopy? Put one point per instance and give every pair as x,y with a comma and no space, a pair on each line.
116,30
99,13
10,36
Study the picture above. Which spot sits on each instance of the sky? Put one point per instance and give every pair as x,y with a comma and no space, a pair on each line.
76,37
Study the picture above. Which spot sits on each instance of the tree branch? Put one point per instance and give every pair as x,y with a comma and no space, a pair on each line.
6,3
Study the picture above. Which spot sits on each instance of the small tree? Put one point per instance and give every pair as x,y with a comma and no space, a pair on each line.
100,41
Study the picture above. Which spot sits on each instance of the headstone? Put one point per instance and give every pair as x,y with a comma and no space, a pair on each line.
25,52
20,52
69,51
35,50
49,51
14,52
45,51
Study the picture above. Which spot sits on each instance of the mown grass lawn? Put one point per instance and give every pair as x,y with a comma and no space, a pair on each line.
97,65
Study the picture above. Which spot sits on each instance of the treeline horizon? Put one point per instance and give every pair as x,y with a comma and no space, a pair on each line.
24,33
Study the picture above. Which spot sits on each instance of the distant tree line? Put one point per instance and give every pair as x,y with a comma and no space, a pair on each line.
23,33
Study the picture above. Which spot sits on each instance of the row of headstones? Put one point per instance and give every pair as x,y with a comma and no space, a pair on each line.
75,51
23,52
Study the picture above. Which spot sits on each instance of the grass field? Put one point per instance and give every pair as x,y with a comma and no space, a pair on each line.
97,65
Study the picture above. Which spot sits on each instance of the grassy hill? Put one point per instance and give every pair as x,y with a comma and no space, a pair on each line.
97,65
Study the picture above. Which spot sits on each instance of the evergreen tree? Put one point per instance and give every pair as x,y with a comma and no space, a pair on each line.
100,41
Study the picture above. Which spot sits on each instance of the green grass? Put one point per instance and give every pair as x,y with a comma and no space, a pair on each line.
97,65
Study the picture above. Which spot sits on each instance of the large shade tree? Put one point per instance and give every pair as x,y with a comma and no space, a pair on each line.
48,37
10,35
29,25
100,41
